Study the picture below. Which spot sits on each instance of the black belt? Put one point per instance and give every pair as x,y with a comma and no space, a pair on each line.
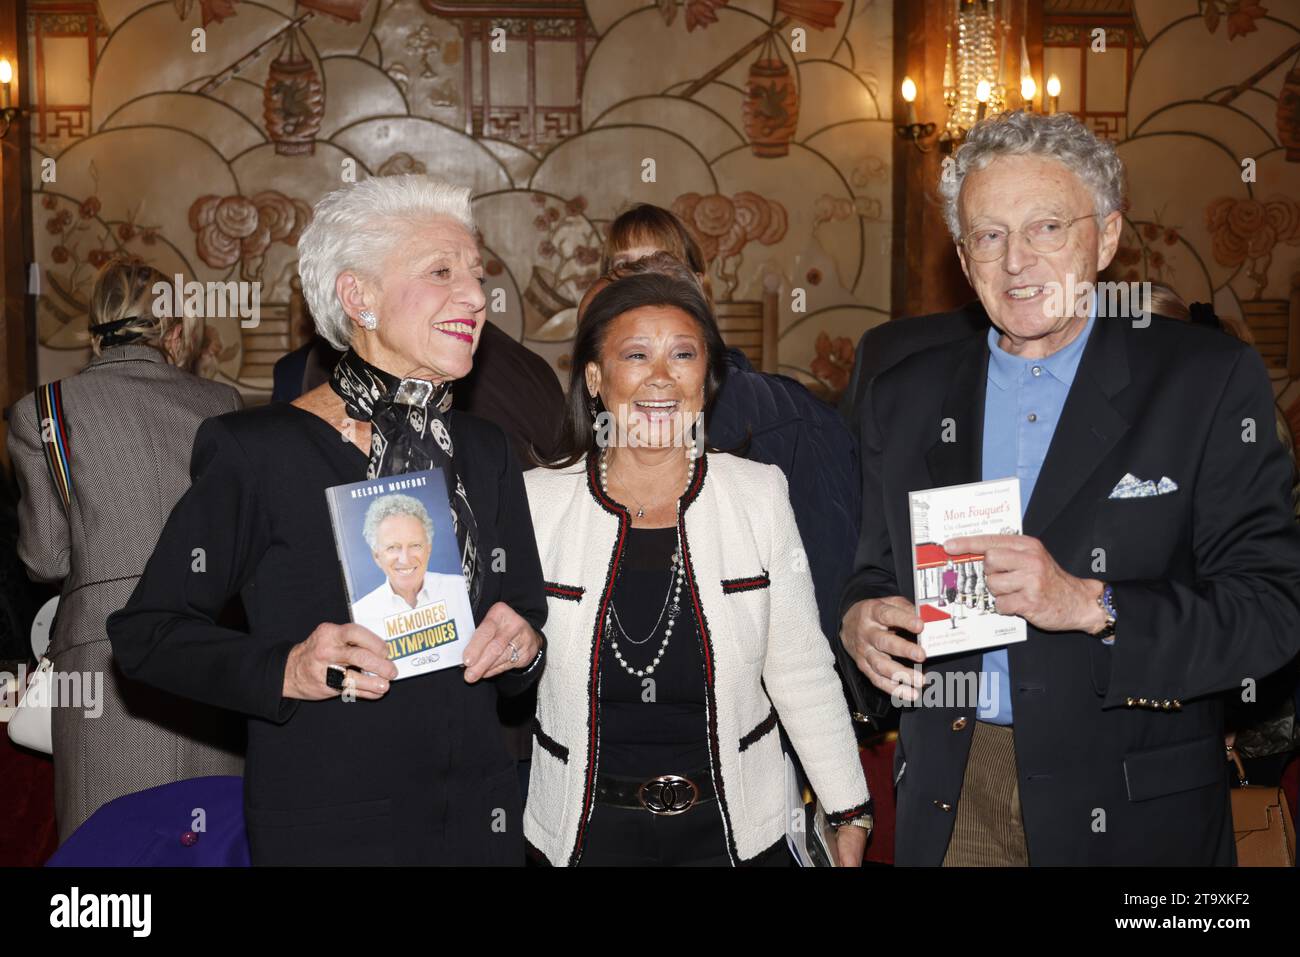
666,794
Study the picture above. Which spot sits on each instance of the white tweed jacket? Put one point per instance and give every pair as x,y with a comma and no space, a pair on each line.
748,580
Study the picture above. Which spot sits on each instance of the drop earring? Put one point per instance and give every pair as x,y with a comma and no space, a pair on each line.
368,319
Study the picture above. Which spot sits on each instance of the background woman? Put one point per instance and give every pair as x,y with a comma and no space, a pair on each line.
412,772
682,616
130,418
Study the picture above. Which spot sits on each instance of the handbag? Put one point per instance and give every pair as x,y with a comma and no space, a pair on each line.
32,723
1261,823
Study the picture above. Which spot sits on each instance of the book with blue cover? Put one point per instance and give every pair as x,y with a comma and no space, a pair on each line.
401,568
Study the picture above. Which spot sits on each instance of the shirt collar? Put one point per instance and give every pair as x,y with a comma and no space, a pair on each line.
421,597
127,352
1005,369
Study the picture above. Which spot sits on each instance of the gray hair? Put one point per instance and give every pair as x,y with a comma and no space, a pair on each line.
1060,137
389,505
355,227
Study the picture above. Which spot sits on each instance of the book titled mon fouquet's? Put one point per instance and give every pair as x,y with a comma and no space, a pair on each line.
401,568
950,593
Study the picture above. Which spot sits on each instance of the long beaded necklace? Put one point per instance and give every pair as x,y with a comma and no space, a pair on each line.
672,600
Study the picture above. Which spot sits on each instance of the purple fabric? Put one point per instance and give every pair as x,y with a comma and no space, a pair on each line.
153,828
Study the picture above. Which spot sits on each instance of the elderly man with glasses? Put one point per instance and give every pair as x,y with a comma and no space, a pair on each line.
1159,567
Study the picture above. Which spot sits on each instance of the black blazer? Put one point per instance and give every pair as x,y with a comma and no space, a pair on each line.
1119,748
421,776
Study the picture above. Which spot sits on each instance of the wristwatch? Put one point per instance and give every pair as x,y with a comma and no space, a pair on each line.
865,821
1106,602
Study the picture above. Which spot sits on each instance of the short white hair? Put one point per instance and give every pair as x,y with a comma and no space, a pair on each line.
357,226
389,505
1060,137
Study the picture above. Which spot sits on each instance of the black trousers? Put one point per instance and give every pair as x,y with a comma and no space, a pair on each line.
627,837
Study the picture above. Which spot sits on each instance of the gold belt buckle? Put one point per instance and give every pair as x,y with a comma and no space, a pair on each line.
668,794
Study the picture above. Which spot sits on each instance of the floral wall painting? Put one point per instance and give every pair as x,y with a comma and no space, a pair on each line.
777,159
777,154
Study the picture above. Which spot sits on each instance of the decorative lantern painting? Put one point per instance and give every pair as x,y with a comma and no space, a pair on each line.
771,103
294,100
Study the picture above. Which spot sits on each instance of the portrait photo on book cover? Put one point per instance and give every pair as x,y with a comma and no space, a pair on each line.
402,568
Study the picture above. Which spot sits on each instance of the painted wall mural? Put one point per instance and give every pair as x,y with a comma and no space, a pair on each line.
1190,90
776,151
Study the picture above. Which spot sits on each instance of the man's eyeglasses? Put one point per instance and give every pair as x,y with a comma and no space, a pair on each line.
989,243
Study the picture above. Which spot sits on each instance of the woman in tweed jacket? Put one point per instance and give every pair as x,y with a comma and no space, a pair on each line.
656,739
130,419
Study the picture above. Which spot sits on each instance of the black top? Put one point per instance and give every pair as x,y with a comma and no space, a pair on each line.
667,733
417,777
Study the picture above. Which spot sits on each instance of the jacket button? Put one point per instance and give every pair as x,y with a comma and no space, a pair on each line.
942,806
959,724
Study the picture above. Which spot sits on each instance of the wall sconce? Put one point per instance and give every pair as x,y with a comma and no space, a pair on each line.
1053,93
1028,90
983,90
913,130
8,113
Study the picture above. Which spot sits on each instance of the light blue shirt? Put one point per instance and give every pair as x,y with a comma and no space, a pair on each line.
1022,404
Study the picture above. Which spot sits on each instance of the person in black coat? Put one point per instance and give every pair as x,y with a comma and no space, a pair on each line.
884,346
1159,565
346,766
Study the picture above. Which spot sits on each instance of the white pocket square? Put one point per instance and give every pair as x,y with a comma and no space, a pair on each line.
1130,486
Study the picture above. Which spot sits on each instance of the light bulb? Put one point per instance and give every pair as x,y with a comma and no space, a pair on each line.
1053,85
909,89
6,72
983,91
1028,88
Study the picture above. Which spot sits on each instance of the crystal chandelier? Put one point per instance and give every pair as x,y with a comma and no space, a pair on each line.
973,84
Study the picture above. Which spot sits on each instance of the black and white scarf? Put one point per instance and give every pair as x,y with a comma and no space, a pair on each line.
409,434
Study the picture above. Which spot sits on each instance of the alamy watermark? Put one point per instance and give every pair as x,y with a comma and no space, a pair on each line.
209,300
1112,300
952,689
61,689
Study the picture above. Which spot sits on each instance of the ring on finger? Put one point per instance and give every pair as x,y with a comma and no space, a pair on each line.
334,677
514,653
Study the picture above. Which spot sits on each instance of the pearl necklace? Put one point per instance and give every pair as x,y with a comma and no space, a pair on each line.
640,512
674,609
672,601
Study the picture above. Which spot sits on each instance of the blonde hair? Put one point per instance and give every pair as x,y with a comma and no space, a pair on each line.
1166,302
124,292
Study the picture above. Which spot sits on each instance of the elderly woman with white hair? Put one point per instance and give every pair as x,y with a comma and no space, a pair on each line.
366,770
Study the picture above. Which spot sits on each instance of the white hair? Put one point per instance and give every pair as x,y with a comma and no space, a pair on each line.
389,505
356,227
1060,137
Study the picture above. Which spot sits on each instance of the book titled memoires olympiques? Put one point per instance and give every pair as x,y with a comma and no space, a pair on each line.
401,568
949,590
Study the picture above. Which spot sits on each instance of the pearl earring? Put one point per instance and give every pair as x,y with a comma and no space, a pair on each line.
368,319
